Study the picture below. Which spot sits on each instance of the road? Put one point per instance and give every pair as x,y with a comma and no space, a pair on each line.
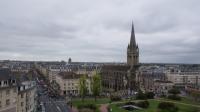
50,104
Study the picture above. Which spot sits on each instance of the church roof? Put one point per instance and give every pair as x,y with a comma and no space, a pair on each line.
115,67
132,41
70,75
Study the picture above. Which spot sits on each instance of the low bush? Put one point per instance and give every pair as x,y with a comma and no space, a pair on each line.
174,97
141,96
86,110
150,95
167,106
115,98
130,103
143,104
108,109
87,106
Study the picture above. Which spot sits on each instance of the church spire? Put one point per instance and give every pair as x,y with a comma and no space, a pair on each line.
132,42
132,50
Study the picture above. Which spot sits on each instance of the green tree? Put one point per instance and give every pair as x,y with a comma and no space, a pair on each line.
195,95
167,107
174,91
96,86
83,87
141,96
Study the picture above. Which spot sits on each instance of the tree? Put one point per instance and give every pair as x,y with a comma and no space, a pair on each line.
83,87
195,95
150,95
167,107
174,91
141,96
96,86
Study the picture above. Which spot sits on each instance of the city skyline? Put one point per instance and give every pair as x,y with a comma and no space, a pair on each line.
56,30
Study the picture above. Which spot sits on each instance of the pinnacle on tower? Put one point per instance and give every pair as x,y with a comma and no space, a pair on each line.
132,42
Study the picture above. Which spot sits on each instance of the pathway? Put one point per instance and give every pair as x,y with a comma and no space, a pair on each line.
103,108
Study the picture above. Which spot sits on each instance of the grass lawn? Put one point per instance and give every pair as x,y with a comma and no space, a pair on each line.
185,100
153,108
78,101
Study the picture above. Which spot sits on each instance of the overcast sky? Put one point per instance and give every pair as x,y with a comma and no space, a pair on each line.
99,30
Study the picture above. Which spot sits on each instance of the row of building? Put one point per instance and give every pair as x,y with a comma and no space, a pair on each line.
67,75
161,78
15,95
124,78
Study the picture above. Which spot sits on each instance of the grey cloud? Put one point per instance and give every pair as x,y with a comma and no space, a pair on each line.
90,30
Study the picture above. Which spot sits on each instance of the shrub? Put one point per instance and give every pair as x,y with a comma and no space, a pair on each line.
150,95
143,104
108,109
167,106
174,91
87,106
86,110
115,98
141,96
174,97
130,103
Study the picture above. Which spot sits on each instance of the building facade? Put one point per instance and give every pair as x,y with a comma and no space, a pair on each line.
132,50
123,78
69,83
26,100
16,96
184,75
161,88
8,92
148,75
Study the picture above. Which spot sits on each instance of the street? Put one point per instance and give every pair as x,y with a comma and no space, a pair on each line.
47,103
51,104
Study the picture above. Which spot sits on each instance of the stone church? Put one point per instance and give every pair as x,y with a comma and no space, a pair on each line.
122,78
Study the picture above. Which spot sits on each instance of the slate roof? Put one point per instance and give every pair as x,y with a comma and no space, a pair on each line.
5,74
116,67
69,75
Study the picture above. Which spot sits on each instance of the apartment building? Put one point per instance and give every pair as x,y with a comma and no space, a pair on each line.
161,88
16,96
26,100
8,92
148,75
184,75
69,83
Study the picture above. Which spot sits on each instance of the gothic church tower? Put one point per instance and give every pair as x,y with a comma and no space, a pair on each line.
132,50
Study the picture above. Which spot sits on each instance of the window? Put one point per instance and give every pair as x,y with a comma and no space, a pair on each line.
22,104
14,90
5,82
7,102
22,95
13,81
7,92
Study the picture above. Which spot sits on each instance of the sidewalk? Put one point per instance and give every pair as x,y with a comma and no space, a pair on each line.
73,110
103,108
